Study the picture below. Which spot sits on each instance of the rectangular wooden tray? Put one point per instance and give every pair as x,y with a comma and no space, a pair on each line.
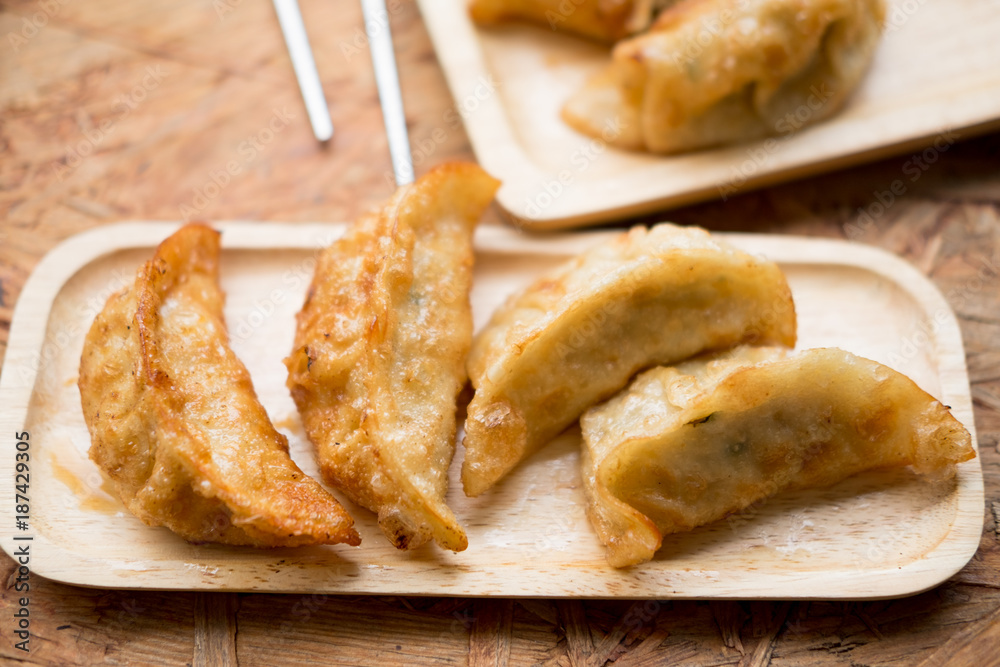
935,79
878,535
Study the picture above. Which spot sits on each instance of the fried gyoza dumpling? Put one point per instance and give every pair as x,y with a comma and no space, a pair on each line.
711,72
578,334
380,349
605,20
684,446
175,422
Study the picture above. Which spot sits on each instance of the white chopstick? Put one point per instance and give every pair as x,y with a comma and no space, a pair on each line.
305,67
387,81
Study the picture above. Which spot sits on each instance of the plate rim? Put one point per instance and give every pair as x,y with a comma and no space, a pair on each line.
34,307
456,43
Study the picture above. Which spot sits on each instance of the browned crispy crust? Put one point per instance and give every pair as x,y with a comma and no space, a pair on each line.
577,334
604,20
686,445
711,72
174,419
379,353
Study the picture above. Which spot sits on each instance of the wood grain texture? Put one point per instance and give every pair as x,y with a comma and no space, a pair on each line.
579,643
331,630
489,640
961,649
225,73
214,629
859,538
514,80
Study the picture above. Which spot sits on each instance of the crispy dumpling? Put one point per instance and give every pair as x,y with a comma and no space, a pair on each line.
711,72
379,353
174,419
605,20
578,334
687,445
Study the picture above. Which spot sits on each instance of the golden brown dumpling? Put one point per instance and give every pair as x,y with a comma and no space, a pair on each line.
379,356
605,20
175,422
576,336
712,72
684,446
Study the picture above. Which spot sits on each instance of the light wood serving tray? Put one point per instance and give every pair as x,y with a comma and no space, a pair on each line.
877,535
935,79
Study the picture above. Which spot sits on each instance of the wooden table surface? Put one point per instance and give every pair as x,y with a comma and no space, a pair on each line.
118,111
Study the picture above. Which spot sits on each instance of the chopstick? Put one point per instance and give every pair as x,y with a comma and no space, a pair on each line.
305,67
387,82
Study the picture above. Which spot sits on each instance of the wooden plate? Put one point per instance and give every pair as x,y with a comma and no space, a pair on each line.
935,79
877,535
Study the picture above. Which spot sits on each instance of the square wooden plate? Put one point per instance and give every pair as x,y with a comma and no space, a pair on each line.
877,535
935,79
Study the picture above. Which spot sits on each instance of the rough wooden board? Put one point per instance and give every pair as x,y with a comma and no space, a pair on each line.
73,626
214,629
489,639
814,634
329,630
